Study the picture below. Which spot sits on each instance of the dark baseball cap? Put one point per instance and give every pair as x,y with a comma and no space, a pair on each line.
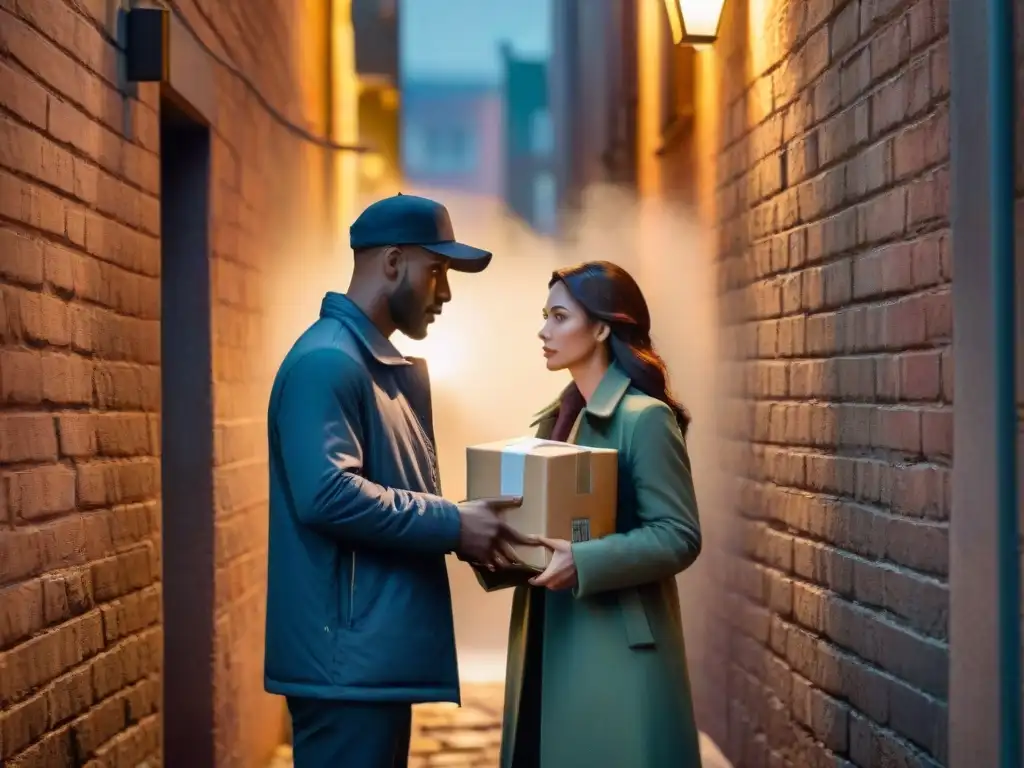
411,220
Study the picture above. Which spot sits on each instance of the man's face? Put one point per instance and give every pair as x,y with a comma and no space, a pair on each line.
421,292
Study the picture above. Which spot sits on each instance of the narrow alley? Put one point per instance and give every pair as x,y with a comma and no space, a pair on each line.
821,200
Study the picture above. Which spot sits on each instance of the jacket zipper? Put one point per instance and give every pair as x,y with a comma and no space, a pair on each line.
351,592
435,477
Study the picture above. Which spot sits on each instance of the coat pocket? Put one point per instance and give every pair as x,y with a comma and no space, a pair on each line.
634,616
347,581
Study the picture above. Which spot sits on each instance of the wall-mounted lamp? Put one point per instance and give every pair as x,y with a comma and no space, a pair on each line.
694,22
148,45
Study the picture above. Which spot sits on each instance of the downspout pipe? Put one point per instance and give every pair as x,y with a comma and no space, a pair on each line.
985,673
1001,127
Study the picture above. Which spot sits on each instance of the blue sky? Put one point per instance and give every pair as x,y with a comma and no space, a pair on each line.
460,39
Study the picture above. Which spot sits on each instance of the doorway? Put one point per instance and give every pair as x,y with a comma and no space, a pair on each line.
187,440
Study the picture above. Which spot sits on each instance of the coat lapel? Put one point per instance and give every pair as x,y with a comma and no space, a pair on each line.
609,393
606,399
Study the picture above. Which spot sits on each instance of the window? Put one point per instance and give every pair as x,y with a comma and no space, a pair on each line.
542,133
444,150
545,202
414,149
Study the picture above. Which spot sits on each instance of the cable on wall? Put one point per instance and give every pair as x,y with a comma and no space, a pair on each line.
262,100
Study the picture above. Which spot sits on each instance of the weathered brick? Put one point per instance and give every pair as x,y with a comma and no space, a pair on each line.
920,375
27,437
890,48
22,724
98,726
928,19
937,432
919,490
21,379
67,379
31,205
919,718
41,659
77,434
21,612
845,29
928,198
40,492
130,614
123,573
70,695
870,744
22,256
23,96
66,595
923,145
52,751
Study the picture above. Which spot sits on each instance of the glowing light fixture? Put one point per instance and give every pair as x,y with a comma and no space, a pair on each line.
694,22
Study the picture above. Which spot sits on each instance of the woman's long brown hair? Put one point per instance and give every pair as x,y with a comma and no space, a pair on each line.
609,294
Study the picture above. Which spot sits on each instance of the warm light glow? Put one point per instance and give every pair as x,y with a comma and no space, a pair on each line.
389,98
694,21
346,112
650,108
373,167
444,350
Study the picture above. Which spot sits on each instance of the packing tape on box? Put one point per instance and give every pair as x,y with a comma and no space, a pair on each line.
513,464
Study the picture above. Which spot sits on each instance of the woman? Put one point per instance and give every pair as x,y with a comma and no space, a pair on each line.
597,672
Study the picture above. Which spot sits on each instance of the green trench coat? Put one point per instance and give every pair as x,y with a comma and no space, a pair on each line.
597,676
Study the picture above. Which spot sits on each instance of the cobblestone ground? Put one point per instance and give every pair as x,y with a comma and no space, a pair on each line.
469,737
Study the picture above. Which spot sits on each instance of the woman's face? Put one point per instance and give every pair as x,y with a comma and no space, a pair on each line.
570,337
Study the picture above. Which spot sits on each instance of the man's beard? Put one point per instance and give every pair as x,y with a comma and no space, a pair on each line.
405,310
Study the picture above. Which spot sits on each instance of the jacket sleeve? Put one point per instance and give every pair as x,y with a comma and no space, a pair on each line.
668,539
321,436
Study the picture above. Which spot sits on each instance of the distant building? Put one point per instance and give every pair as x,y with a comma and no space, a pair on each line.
569,118
592,93
452,135
551,127
531,189
377,103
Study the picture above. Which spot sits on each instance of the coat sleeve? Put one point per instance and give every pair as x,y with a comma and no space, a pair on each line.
668,539
321,436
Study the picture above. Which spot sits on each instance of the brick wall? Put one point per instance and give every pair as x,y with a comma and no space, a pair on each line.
832,198
80,642
80,517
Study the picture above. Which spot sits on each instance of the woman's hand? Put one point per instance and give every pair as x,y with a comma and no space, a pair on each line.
561,571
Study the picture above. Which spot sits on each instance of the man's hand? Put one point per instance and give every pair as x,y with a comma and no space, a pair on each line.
504,555
482,528
561,571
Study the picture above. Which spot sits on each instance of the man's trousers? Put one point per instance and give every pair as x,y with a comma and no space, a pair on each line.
349,734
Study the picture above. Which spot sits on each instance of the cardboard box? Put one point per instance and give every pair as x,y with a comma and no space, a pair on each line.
569,491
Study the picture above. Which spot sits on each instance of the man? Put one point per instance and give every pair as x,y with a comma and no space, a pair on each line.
359,614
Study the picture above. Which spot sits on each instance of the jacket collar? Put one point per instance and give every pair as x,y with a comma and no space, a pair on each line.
605,400
339,307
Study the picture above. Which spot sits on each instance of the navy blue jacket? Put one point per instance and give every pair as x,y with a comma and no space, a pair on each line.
358,602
